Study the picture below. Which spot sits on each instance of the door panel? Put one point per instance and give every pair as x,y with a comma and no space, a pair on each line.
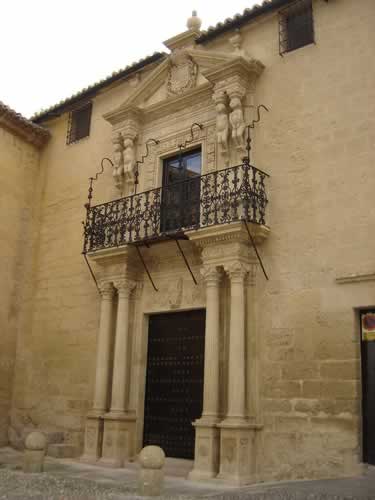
174,382
368,384
181,191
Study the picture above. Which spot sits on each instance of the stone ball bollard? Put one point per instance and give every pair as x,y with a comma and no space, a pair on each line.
151,474
35,450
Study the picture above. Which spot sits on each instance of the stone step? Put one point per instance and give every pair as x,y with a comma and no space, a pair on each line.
62,450
17,439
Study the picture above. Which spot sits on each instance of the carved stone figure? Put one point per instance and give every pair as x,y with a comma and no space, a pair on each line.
118,161
129,160
222,125
237,121
182,74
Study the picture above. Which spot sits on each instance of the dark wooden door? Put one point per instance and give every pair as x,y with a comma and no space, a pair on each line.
174,382
181,191
368,384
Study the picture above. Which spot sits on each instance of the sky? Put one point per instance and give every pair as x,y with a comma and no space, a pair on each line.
54,48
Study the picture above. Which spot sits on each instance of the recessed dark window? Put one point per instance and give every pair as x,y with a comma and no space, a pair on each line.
296,26
79,123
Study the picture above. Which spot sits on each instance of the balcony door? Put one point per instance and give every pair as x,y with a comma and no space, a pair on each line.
181,191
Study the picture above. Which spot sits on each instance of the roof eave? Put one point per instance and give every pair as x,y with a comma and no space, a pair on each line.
235,23
60,108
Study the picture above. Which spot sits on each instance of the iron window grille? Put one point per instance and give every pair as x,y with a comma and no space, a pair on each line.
79,123
296,26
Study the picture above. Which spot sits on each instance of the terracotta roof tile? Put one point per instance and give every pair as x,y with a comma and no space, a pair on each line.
26,129
239,20
91,90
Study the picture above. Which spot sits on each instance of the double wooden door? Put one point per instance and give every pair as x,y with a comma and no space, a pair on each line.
174,381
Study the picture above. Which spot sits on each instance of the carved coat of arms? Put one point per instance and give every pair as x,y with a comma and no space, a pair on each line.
182,73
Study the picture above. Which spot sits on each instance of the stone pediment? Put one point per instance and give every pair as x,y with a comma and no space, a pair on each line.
188,74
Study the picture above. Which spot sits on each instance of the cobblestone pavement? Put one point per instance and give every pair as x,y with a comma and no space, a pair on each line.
70,480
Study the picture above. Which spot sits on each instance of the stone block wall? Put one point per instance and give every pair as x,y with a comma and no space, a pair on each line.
19,173
317,144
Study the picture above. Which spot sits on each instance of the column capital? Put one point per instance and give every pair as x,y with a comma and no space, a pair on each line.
211,274
237,271
106,290
124,286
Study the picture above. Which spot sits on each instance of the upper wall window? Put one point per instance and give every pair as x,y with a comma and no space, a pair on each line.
296,26
79,123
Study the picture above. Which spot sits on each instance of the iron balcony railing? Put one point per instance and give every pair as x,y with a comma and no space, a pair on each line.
229,195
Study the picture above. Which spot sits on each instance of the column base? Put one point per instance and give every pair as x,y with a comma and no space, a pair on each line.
118,439
207,449
237,451
93,438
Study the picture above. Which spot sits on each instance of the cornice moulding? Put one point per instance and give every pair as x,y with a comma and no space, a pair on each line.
235,67
182,39
227,233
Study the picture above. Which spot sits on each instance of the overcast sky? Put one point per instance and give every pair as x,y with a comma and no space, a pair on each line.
51,49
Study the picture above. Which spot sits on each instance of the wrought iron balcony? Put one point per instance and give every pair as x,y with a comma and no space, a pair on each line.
220,197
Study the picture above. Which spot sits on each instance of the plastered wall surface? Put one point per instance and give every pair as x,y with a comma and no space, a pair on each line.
19,172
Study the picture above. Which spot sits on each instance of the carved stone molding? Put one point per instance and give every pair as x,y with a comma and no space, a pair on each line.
124,287
211,275
251,277
106,289
182,74
237,271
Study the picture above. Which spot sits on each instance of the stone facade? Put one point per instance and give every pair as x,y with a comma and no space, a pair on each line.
284,393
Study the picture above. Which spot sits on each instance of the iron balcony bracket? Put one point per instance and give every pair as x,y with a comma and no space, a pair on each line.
145,267
255,249
185,260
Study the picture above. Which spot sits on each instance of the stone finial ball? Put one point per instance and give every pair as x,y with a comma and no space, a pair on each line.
152,457
194,22
36,441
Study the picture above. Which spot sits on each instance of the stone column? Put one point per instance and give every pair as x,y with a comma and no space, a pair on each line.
118,426
120,366
94,422
252,342
206,464
237,435
236,369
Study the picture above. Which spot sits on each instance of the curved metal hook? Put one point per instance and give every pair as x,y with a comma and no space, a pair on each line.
191,139
257,120
92,179
154,141
139,162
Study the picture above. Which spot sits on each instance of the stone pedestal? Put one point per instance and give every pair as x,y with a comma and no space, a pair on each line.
93,439
118,440
35,450
151,474
33,461
237,453
207,451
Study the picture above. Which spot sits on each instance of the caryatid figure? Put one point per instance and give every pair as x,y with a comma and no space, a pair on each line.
118,161
237,122
129,160
222,125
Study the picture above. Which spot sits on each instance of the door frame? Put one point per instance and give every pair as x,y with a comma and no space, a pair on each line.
363,378
142,372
